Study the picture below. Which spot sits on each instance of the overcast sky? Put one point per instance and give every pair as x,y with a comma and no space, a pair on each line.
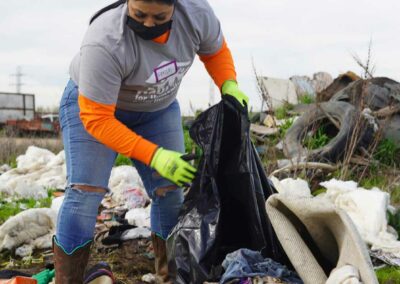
283,37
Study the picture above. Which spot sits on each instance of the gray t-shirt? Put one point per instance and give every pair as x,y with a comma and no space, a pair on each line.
115,66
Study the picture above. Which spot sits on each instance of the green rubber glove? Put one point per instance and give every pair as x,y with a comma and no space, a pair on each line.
231,88
171,166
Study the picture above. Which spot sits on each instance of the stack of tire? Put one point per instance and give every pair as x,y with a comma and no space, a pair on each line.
344,109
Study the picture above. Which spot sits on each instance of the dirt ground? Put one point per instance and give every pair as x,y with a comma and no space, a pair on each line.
129,262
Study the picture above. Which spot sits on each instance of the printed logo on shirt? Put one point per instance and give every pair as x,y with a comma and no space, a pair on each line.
164,82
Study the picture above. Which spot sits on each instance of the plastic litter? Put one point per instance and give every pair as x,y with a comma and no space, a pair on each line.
307,86
149,278
124,178
139,217
19,280
292,187
4,168
115,233
34,159
33,226
37,170
386,257
225,207
136,233
56,203
134,198
303,85
367,209
45,276
24,250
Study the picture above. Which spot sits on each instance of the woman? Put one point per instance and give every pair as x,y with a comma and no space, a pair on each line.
122,99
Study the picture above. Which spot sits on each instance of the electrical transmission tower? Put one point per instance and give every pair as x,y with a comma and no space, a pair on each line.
18,79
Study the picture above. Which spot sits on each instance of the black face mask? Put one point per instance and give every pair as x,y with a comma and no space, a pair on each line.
148,33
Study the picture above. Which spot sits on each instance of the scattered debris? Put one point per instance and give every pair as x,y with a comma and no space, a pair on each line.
388,258
33,227
123,179
139,217
280,91
36,171
338,84
56,203
263,131
4,168
149,278
137,233
307,86
289,165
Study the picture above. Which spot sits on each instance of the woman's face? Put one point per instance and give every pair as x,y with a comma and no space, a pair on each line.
150,13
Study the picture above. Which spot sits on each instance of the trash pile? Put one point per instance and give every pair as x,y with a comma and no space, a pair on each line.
337,113
367,210
39,170
36,171
289,91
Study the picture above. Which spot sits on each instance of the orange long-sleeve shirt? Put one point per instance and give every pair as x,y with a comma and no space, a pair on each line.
99,119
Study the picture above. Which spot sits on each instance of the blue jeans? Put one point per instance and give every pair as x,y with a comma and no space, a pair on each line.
89,162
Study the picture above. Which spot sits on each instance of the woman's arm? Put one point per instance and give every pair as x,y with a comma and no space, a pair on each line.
220,65
99,120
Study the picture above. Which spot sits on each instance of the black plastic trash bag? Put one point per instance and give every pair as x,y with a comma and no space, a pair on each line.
225,207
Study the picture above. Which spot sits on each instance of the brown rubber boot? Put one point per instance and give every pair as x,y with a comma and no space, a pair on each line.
70,268
161,262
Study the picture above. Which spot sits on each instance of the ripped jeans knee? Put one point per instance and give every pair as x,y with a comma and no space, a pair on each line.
77,218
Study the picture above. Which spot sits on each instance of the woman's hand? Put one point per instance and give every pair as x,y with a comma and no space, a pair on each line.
231,88
170,165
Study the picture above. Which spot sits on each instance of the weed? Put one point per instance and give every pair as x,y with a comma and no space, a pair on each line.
12,206
306,99
318,140
395,195
371,181
283,111
191,147
285,126
388,275
387,152
394,220
122,160
318,191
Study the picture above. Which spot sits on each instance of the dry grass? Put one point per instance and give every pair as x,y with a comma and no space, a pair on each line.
12,146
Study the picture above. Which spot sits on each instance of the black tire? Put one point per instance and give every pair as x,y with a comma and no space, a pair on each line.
379,93
344,114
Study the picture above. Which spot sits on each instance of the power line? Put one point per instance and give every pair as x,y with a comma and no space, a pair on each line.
18,79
